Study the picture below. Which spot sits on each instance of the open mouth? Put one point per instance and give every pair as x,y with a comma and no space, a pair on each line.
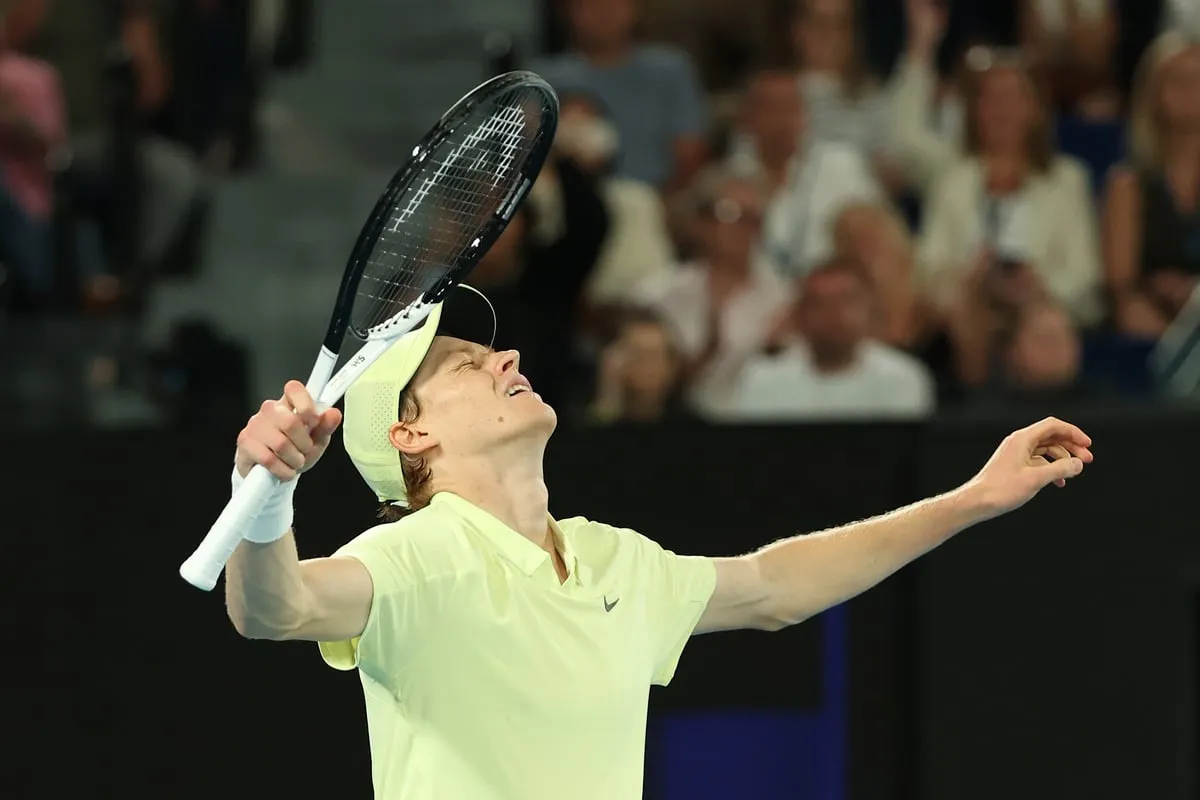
513,391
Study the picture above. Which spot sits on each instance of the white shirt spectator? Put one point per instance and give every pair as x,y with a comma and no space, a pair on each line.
1050,225
823,178
882,383
638,243
682,297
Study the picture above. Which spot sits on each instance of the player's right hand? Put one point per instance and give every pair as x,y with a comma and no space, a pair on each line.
287,435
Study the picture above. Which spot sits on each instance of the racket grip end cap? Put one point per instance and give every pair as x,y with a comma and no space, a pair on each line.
195,574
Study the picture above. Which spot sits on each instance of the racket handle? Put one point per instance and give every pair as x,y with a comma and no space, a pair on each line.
204,566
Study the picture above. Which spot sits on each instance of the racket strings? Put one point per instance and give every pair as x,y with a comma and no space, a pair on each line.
436,222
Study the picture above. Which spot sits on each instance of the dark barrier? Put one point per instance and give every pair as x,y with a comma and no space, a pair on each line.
1056,647
1048,657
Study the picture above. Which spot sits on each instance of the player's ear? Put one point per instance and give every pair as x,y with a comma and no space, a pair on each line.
411,438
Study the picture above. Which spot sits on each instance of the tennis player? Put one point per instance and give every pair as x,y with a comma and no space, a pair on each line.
505,654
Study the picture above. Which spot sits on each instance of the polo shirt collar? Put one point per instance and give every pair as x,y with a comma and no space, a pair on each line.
518,549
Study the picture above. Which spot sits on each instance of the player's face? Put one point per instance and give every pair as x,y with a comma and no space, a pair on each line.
473,398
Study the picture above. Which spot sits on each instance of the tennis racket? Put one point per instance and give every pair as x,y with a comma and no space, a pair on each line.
439,215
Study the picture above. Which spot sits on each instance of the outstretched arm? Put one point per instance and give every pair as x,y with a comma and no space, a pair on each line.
794,579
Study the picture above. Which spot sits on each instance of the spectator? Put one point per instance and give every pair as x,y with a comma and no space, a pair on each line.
875,237
32,132
652,92
641,371
1151,227
926,120
828,366
724,305
1075,42
843,102
1012,196
1038,364
808,181
1045,354
77,38
638,242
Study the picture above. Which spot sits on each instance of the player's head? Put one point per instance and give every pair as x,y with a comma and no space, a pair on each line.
466,401
436,400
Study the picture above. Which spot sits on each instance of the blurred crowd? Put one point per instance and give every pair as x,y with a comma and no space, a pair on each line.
768,210
114,117
830,209
117,118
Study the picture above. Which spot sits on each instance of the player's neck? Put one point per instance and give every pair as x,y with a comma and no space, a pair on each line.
510,487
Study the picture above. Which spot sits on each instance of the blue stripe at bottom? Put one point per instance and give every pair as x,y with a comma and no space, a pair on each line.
759,754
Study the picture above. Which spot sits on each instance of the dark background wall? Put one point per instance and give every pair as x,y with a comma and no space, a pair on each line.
1047,654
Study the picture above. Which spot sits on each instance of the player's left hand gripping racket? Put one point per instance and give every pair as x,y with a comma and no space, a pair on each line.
439,215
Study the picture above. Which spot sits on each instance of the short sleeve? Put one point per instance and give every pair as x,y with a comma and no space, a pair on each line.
403,600
678,591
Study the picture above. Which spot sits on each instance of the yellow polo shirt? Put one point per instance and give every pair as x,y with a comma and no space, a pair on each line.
487,679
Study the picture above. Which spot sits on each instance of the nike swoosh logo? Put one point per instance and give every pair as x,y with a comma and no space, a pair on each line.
610,606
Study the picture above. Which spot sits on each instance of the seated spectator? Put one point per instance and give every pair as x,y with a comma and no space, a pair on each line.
843,102
77,39
32,131
828,366
875,237
1012,196
651,92
808,181
638,242
1037,364
724,305
1074,41
641,373
1151,225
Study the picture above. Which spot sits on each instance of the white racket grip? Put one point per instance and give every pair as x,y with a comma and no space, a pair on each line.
204,566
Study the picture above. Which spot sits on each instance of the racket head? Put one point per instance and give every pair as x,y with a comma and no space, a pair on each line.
448,204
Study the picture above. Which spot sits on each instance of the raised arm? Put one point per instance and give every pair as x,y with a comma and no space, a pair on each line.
269,592
794,579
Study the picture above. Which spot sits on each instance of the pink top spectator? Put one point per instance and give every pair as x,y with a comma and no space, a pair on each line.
29,88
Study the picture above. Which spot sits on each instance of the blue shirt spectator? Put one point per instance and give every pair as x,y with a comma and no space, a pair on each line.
652,93
653,97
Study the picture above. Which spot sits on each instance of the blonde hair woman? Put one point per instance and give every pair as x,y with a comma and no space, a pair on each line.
1008,205
1152,208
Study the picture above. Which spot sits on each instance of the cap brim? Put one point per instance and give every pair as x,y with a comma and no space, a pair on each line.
372,403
